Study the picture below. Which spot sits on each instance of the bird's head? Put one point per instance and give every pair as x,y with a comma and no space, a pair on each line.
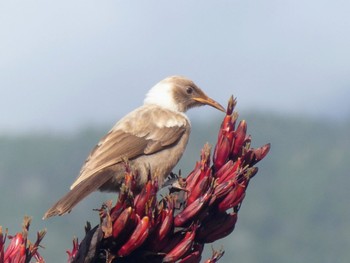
179,94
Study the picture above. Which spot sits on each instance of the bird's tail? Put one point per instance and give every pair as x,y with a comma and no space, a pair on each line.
74,196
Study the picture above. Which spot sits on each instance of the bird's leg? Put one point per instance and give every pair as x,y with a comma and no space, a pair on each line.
176,182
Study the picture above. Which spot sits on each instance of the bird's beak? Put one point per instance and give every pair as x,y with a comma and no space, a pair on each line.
208,101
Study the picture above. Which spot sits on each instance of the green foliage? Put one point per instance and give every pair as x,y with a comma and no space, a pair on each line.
295,209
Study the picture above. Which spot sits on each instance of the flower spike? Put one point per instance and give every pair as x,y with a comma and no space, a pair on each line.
138,228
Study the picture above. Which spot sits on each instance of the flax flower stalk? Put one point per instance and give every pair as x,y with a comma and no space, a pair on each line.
202,208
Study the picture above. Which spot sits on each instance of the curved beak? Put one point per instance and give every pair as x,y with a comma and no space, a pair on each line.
210,102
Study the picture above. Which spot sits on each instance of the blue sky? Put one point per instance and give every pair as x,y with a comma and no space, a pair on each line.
66,64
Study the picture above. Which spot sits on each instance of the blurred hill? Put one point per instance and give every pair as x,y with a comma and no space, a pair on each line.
296,209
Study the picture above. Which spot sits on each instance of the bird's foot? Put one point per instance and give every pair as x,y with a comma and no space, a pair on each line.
176,182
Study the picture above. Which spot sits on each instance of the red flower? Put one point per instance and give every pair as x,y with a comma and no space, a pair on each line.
20,250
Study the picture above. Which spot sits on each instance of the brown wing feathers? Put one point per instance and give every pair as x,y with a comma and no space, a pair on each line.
119,145
143,137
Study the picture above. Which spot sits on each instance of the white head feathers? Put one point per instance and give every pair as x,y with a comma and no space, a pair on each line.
162,94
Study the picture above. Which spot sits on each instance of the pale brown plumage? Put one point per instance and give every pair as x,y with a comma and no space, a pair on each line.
153,138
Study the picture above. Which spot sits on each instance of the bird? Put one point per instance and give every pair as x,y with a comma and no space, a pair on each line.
152,138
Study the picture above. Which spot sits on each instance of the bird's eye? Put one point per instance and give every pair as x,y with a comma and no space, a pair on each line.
189,90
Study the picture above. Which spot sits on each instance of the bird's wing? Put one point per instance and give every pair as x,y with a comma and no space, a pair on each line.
133,136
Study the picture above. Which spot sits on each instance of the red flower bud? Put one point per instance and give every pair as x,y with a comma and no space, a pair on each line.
227,166
222,149
15,252
233,198
190,212
148,196
195,255
167,220
216,227
260,153
182,247
200,188
239,139
137,238
73,253
224,188
120,223
230,173
193,178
